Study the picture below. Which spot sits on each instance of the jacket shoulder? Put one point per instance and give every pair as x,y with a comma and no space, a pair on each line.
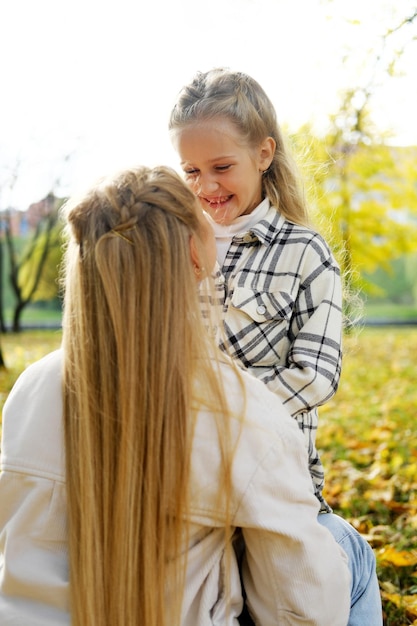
32,436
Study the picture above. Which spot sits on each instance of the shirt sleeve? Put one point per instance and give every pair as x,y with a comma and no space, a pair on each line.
311,373
294,572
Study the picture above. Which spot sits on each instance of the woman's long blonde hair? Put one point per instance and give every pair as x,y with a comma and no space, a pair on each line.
133,336
222,93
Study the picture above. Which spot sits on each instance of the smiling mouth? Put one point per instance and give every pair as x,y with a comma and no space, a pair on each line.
217,202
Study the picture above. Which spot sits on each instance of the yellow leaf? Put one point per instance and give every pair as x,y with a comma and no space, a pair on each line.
389,588
407,602
402,558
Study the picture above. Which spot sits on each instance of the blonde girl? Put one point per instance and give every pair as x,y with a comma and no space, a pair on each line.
278,284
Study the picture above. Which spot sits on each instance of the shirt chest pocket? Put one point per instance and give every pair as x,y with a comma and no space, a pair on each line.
259,324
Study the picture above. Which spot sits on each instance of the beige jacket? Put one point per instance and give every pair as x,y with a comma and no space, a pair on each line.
294,573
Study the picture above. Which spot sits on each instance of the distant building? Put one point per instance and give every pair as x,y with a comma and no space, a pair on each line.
23,222
38,210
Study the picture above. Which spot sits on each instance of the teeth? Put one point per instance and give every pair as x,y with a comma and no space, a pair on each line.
217,201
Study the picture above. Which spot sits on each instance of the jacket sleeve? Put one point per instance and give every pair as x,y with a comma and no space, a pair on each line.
294,572
33,528
33,552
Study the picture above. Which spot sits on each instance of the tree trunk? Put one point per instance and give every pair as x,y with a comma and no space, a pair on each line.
2,361
3,328
16,328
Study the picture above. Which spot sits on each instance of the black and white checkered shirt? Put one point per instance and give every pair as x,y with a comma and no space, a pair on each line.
280,293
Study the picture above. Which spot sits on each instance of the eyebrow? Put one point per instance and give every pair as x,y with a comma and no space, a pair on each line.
218,158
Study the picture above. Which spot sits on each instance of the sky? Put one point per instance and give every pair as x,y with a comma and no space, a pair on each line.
87,85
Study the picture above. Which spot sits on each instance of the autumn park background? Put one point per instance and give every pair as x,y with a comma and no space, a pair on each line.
362,188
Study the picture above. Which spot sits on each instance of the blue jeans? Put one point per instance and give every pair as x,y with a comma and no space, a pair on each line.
366,609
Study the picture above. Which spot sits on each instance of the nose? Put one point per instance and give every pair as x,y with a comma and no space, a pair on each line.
207,184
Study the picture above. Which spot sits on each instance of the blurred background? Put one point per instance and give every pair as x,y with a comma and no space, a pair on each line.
87,88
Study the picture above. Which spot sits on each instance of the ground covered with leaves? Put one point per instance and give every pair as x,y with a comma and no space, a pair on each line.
368,441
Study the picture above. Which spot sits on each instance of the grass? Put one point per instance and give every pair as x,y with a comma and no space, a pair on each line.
390,311
34,314
367,437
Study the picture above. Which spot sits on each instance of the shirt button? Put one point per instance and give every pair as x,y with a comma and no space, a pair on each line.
221,280
247,238
261,309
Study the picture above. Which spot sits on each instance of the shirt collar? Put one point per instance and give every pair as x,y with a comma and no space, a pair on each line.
267,229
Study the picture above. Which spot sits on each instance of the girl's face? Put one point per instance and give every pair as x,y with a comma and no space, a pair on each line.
225,174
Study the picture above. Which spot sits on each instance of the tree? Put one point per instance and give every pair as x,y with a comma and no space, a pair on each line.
47,285
364,200
26,270
364,189
7,181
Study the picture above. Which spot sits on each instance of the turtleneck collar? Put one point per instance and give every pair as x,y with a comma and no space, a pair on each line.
224,234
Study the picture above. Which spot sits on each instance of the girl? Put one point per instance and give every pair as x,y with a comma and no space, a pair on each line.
279,286
124,470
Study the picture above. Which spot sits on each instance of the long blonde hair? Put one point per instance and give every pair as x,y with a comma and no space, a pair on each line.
133,336
221,93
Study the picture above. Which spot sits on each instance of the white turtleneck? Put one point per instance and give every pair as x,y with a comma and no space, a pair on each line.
224,234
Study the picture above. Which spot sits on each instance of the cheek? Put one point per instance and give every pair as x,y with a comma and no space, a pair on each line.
193,184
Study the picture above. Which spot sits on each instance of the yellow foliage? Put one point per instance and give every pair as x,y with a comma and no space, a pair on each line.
363,200
399,558
408,602
367,437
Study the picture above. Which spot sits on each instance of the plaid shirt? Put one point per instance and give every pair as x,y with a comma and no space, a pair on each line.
280,292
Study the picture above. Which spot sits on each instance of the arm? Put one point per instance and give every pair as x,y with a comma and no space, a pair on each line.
33,559
308,373
33,544
294,572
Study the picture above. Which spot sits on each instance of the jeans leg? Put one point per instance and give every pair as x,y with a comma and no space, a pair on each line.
366,608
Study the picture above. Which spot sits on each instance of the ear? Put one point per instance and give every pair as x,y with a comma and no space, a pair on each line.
266,153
